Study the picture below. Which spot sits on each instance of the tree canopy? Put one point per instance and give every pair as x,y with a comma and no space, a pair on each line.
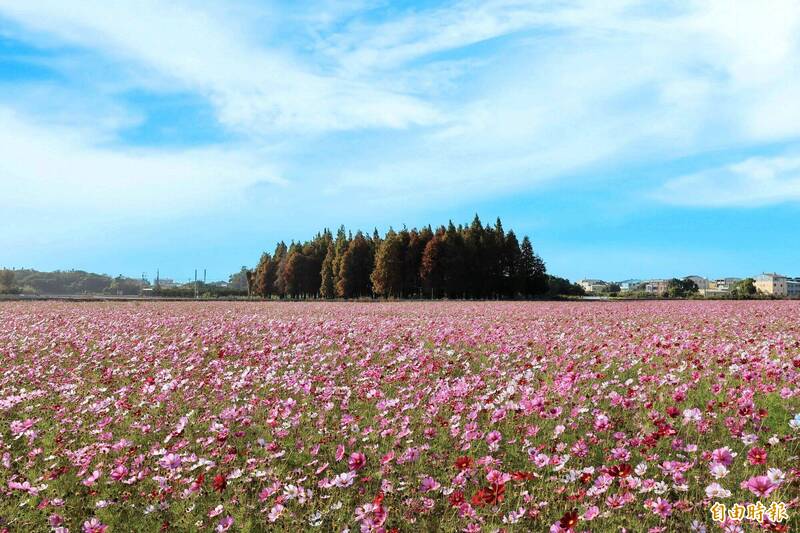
473,261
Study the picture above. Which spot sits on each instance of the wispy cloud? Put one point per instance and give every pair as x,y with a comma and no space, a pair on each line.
204,48
51,169
754,182
370,102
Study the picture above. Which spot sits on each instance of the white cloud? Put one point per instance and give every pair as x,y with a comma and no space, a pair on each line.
576,85
754,182
56,170
202,48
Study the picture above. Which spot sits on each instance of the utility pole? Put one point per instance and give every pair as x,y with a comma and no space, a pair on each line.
204,276
195,284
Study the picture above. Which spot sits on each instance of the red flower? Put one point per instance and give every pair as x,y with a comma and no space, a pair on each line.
585,478
220,482
378,500
479,498
623,470
456,498
464,462
494,493
757,456
569,520
521,476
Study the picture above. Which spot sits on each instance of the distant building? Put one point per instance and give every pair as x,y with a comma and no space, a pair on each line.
166,283
793,287
656,286
713,292
593,285
700,281
724,284
630,285
772,284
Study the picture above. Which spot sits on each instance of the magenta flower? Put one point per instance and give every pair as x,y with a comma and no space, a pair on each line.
94,525
170,461
224,524
761,486
723,456
357,461
662,507
591,513
428,484
339,452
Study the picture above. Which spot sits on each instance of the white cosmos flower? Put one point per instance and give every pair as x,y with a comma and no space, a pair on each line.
776,475
715,490
719,471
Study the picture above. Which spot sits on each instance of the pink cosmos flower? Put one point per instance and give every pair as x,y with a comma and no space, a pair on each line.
541,460
119,472
371,516
497,477
170,461
428,484
275,512
339,452
18,427
94,525
225,524
493,440
662,508
387,458
761,486
357,461
601,422
591,513
92,479
723,456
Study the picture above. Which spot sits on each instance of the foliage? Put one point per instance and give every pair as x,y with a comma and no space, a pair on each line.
451,262
74,282
744,289
563,287
7,284
681,288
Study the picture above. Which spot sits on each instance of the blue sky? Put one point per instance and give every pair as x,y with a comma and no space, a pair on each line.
628,139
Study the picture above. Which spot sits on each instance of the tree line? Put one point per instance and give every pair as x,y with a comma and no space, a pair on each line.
65,282
467,261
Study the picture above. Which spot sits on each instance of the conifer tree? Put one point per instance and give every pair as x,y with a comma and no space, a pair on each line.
432,265
355,269
387,276
327,287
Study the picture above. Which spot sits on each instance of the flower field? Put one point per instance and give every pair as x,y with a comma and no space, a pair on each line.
446,416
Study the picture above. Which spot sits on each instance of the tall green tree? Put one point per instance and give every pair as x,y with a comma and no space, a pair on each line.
387,276
510,260
432,266
327,286
6,280
355,269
